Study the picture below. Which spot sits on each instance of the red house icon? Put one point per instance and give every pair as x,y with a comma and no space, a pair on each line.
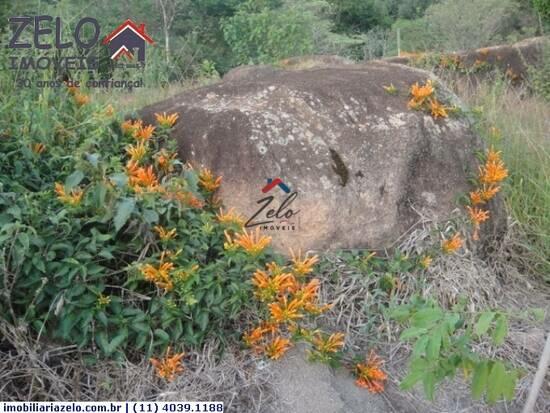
127,37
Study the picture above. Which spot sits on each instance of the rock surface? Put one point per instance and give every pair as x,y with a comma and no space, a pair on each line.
313,387
511,60
358,165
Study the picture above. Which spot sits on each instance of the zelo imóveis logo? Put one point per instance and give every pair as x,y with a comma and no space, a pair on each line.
125,38
275,212
44,34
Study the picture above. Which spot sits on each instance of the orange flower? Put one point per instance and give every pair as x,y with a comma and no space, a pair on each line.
73,198
284,312
81,99
420,94
332,344
208,181
452,245
142,178
169,367
253,243
165,161
307,294
477,216
72,89
185,197
267,288
426,261
370,375
143,133
438,110
275,349
230,218
166,121
159,276
274,268
109,110
255,336
129,126
252,338
301,266
38,147
165,234
484,194
137,152
494,170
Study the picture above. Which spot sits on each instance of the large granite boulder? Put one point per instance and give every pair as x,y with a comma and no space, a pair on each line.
325,157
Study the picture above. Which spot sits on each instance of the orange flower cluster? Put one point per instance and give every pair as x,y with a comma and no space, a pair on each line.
302,267
423,98
253,243
231,217
81,99
288,300
129,126
370,375
165,161
170,366
166,121
73,198
453,244
142,179
330,344
184,197
491,174
208,181
164,233
160,275
143,133
38,148
477,216
137,152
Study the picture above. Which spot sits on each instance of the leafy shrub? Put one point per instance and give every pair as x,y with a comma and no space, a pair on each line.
443,344
93,215
265,35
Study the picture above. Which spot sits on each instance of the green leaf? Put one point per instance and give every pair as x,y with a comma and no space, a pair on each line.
509,385
102,342
162,335
479,380
202,320
496,382
420,346
417,371
74,179
428,381
484,323
426,317
501,329
117,341
412,332
150,216
123,212
434,345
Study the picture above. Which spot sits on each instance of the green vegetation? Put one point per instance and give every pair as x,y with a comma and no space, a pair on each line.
108,242
443,343
95,222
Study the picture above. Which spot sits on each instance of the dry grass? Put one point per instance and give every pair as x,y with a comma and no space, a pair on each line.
37,371
494,282
523,123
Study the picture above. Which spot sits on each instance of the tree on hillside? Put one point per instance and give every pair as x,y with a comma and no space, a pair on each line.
543,9
360,16
466,24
